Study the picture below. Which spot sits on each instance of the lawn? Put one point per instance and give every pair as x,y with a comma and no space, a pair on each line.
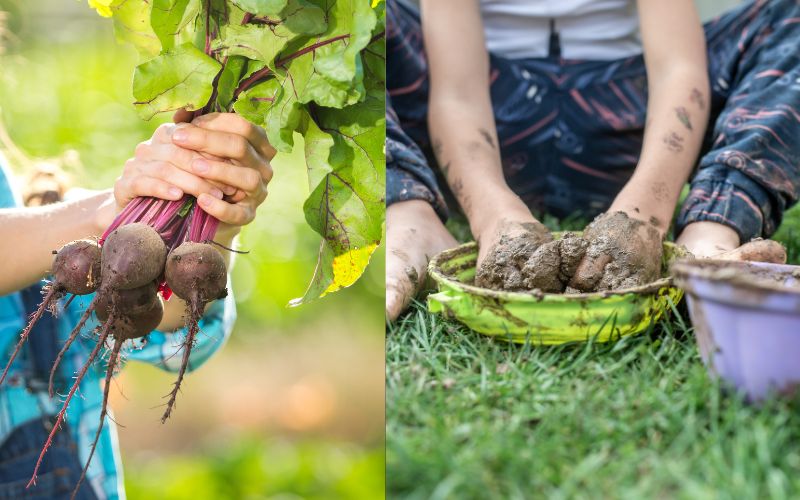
470,417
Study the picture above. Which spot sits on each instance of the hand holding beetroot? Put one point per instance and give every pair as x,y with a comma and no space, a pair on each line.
220,158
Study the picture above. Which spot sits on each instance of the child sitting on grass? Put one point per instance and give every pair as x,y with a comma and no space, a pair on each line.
594,108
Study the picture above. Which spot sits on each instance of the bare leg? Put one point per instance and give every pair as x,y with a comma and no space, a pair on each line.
414,234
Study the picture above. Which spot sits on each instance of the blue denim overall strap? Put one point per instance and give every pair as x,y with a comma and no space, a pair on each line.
58,473
61,467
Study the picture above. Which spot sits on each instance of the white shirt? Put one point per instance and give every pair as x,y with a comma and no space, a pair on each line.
588,29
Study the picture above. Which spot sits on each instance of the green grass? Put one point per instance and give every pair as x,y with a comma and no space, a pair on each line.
470,417
254,469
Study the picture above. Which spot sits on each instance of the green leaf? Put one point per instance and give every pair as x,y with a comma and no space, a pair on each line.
273,107
302,17
338,62
132,25
310,87
346,207
229,79
263,42
253,41
261,7
169,17
318,146
334,75
179,78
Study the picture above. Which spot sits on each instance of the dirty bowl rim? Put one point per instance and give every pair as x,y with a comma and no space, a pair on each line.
436,272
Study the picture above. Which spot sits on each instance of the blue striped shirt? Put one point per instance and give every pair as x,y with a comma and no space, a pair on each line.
18,405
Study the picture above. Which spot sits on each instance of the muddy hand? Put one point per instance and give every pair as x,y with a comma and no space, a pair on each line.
623,252
504,251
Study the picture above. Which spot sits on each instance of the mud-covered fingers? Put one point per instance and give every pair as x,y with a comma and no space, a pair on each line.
233,123
590,271
757,251
234,214
398,297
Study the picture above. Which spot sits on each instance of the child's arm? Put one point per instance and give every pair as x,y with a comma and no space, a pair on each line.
29,235
461,119
677,114
677,110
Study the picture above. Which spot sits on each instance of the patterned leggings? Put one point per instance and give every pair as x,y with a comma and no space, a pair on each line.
571,131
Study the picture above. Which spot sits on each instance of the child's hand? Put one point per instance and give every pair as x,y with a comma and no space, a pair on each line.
161,169
623,252
233,153
505,248
221,158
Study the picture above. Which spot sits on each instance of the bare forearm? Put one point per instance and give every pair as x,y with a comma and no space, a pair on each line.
460,115
28,236
677,116
466,147
677,109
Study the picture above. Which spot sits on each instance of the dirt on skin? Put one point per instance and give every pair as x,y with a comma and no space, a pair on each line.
502,267
532,260
622,253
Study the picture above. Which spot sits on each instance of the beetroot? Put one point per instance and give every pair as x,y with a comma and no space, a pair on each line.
133,256
133,302
76,267
76,270
127,271
196,273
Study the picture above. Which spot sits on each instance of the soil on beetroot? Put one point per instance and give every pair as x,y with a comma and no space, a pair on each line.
530,259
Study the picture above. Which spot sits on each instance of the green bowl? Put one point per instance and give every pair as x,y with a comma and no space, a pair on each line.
547,318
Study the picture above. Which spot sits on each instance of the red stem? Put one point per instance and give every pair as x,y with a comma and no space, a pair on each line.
262,73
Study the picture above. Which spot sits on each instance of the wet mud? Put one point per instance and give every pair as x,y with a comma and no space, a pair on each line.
597,261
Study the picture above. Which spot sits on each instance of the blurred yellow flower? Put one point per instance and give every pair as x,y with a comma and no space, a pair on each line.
103,7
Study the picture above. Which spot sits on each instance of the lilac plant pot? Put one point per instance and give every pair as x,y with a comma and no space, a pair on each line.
746,317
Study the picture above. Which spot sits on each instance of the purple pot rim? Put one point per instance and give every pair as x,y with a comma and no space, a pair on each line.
705,269
739,306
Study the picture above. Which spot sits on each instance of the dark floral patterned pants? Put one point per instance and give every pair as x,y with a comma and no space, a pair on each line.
571,131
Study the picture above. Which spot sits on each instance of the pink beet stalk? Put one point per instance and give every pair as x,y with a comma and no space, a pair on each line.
176,221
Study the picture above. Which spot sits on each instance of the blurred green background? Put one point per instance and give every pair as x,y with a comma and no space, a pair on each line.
294,405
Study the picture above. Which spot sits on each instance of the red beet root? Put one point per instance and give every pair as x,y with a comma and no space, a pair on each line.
133,256
76,270
196,273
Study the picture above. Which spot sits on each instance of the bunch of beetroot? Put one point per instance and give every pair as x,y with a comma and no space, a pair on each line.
154,247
